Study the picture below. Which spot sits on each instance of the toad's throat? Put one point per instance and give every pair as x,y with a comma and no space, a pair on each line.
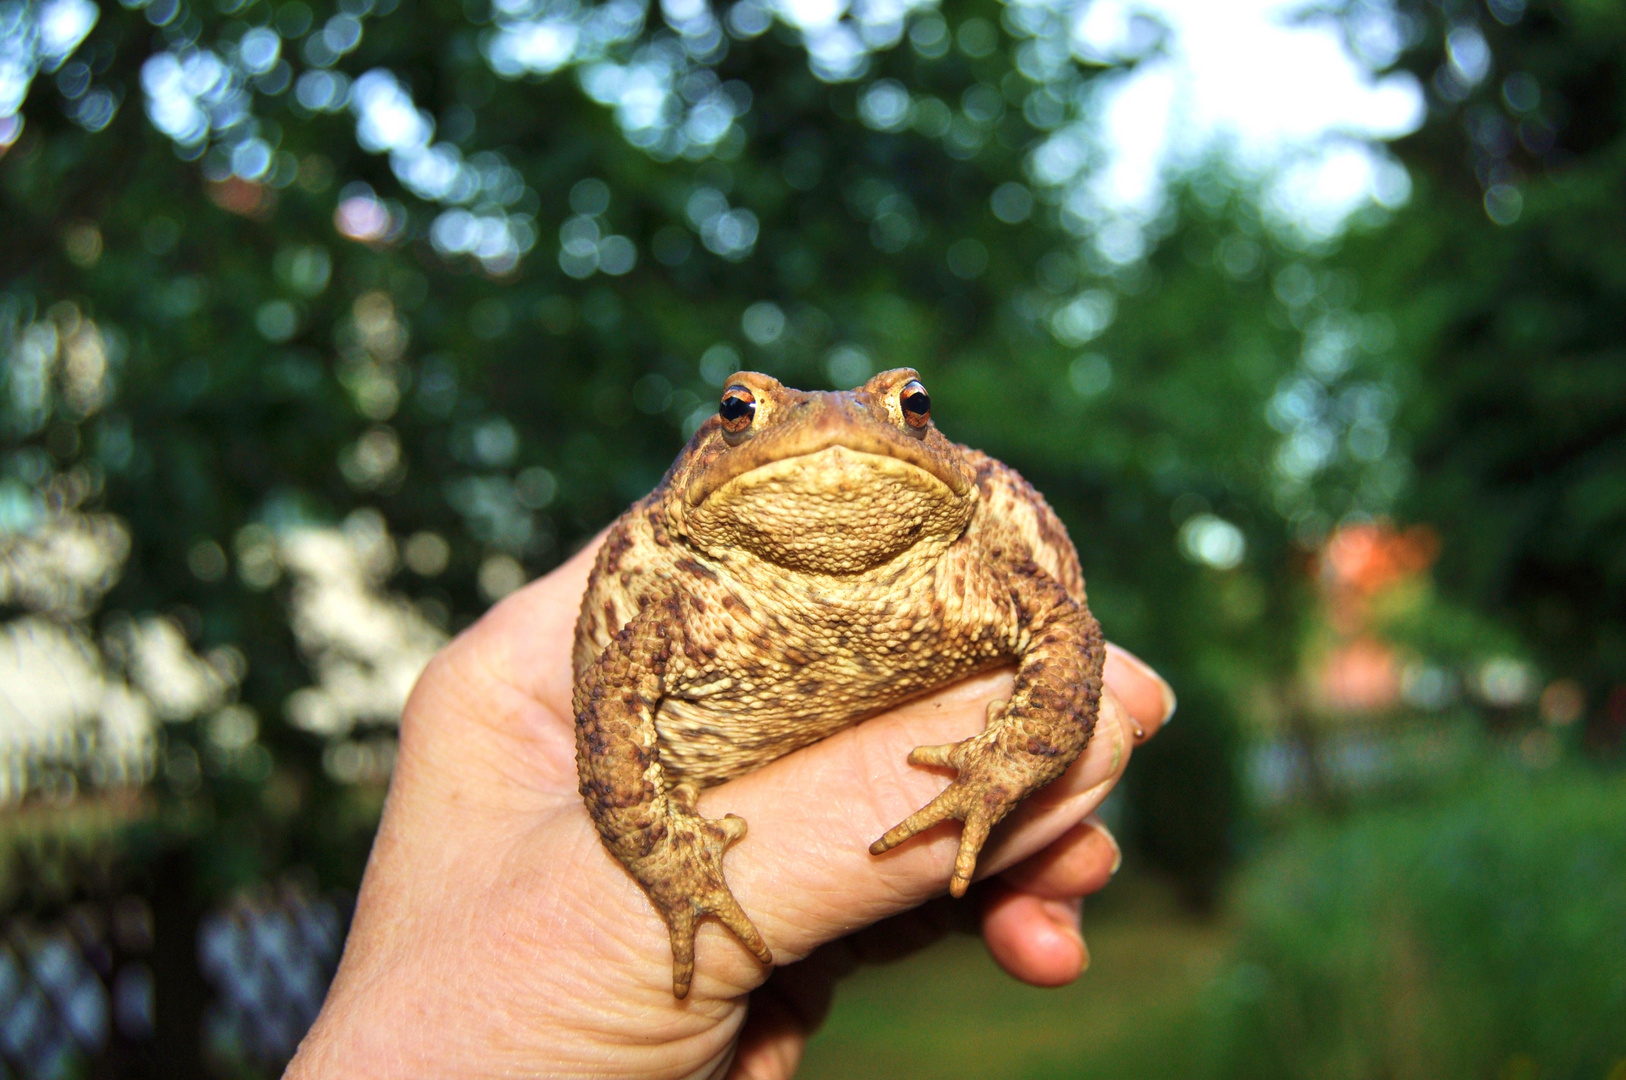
834,511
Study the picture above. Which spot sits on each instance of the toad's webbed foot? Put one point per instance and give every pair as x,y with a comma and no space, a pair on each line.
980,796
683,875
992,780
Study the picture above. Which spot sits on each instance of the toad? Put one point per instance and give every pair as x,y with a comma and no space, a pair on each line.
809,560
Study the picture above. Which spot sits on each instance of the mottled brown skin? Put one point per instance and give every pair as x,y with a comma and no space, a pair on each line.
787,581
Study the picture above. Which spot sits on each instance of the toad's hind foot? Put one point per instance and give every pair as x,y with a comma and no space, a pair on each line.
989,787
683,876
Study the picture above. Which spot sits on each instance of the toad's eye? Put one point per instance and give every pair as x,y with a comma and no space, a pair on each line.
738,408
916,404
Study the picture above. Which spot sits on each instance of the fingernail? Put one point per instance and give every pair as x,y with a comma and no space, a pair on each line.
1106,834
1064,915
1170,702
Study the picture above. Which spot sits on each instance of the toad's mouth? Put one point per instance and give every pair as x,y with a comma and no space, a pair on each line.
820,461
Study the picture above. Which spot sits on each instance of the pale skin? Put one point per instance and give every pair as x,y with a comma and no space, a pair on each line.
495,936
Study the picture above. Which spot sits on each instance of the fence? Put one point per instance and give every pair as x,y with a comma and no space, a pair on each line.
111,967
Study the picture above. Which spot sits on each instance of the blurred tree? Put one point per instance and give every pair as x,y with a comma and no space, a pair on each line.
1505,281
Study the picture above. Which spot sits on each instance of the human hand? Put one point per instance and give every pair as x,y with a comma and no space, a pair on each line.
494,934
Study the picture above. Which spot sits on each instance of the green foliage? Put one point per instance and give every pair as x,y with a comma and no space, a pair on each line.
950,1013
1184,802
1467,938
1509,352
1418,618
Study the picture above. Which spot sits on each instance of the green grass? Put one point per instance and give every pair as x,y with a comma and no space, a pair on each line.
950,1013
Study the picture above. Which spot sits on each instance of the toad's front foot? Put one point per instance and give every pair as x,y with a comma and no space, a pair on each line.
683,875
990,785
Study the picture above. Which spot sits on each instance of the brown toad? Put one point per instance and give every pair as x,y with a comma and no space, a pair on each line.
809,560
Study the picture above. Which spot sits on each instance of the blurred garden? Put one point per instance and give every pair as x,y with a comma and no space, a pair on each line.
324,325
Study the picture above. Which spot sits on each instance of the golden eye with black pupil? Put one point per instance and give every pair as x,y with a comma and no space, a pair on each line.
916,404
737,409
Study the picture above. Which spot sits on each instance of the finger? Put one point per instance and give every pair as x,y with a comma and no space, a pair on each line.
784,1013
771,1043
1034,939
1081,862
1148,698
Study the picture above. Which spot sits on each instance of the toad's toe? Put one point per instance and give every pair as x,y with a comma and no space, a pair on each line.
684,878
979,796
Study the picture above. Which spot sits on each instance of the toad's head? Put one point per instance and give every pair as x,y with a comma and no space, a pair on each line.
821,482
